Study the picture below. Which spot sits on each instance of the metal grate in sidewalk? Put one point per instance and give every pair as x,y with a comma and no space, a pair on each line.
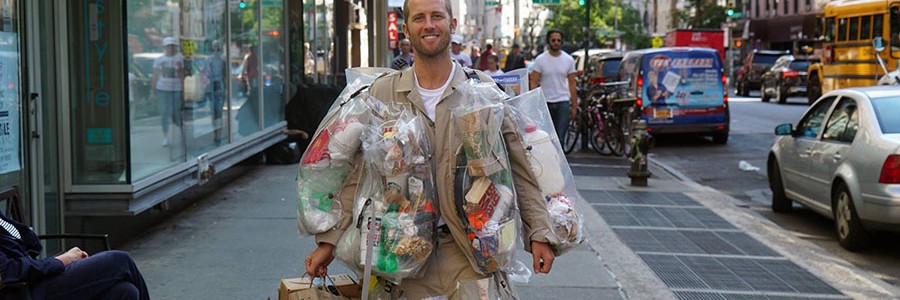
700,255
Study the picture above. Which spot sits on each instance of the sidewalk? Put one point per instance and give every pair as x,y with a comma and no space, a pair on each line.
672,240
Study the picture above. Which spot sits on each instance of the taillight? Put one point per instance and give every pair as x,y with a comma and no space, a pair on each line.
788,73
890,171
724,89
640,85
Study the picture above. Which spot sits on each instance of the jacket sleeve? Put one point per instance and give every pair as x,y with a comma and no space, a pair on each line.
27,269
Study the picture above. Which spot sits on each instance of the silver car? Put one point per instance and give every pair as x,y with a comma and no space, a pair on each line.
843,161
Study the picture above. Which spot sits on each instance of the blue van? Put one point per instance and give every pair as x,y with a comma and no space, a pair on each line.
678,90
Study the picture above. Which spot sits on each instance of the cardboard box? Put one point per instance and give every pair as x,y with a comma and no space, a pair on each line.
291,287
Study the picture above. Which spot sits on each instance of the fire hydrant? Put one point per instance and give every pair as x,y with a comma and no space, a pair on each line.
637,155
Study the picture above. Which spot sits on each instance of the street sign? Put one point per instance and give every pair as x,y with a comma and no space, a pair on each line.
656,42
489,3
545,2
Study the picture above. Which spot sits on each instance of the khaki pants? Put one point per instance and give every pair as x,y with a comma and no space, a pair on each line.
447,268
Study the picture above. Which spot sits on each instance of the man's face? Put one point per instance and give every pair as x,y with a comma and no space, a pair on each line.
405,47
555,40
428,27
456,48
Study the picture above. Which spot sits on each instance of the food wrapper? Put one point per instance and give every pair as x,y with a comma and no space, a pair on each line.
483,183
326,162
548,164
400,188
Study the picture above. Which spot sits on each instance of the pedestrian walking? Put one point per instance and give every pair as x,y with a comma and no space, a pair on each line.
493,68
483,62
405,58
554,71
430,86
514,60
456,52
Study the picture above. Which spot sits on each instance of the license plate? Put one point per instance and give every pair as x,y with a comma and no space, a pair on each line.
662,113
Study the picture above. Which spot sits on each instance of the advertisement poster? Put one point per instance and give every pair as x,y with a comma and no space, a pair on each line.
683,79
9,103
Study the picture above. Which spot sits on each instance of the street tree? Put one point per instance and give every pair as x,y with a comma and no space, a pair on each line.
703,14
608,18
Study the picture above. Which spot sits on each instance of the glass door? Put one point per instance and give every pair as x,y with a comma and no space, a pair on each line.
12,175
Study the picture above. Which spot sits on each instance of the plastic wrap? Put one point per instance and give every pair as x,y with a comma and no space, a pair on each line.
551,169
399,183
483,182
325,163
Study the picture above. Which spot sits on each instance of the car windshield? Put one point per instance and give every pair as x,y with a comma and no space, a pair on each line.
611,67
887,110
800,65
765,59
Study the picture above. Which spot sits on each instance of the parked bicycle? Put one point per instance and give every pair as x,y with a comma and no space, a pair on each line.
602,123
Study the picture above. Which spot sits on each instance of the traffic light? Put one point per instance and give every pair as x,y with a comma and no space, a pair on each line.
242,4
738,43
730,10
581,2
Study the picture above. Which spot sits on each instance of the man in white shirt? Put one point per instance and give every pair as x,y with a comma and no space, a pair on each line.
554,71
456,52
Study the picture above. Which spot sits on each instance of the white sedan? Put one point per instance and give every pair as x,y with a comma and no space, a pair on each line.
843,161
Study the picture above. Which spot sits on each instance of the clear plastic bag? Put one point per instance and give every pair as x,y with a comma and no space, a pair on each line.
325,163
548,163
400,184
483,184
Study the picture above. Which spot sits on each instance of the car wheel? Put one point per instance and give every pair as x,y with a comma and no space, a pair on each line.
762,92
780,94
814,90
851,235
780,201
720,138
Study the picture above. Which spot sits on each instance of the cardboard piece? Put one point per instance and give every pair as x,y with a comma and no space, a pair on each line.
300,289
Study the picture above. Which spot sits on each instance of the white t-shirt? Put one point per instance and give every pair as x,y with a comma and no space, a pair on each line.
168,79
462,58
430,98
554,75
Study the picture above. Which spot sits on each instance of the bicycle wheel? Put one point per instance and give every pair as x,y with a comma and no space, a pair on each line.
599,134
571,136
615,140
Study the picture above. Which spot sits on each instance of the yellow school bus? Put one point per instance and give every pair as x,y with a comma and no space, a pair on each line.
848,54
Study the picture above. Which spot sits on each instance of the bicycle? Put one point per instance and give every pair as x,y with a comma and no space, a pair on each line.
605,134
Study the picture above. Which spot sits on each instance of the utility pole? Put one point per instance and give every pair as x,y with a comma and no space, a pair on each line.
584,59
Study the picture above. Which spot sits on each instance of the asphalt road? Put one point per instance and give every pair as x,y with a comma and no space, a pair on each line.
752,134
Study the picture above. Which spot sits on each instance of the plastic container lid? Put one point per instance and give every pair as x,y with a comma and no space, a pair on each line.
530,128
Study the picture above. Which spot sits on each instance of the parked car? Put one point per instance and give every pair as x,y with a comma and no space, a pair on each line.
603,68
579,62
843,161
786,78
749,76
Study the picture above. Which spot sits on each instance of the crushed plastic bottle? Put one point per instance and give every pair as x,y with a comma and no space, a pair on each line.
745,166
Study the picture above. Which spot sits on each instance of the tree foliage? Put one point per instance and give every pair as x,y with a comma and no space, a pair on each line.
705,14
568,17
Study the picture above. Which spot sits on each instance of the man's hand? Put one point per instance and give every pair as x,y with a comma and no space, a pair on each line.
543,257
317,262
73,255
573,112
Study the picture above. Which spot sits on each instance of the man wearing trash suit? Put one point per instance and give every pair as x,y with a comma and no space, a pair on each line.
429,26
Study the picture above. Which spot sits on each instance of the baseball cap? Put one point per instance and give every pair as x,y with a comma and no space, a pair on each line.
169,41
456,39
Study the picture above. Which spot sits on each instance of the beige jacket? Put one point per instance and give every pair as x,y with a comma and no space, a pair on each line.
401,87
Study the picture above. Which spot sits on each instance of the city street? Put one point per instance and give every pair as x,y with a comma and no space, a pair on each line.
752,134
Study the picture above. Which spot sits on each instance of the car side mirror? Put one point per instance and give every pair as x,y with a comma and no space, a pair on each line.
784,129
878,44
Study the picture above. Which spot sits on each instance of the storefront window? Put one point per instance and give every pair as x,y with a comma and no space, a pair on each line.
319,25
177,79
273,64
245,60
10,99
99,129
